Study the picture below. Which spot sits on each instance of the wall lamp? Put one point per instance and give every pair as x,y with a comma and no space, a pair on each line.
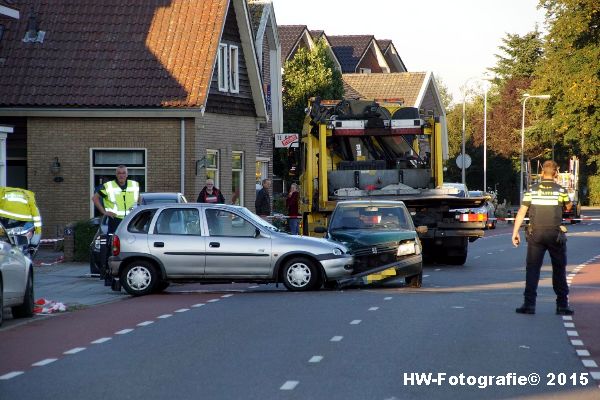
55,170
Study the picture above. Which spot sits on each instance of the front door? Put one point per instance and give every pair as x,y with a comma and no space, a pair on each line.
233,249
177,242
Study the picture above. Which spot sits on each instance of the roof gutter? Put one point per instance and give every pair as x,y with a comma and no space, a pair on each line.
102,112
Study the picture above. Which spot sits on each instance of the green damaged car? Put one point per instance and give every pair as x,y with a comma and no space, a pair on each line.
381,235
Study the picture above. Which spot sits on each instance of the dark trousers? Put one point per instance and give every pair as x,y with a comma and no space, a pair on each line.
538,241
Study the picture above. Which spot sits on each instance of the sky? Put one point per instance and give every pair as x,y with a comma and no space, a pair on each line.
455,39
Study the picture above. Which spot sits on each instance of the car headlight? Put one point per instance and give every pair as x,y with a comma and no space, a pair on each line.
406,248
337,252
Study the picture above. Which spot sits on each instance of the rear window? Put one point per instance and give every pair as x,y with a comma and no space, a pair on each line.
141,222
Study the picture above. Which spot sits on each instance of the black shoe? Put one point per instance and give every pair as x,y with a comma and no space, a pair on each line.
524,309
564,310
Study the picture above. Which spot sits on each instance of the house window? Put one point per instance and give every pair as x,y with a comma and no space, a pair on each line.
105,161
237,177
234,75
212,166
223,74
228,68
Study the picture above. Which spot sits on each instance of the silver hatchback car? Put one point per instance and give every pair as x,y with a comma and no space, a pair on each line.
16,276
163,243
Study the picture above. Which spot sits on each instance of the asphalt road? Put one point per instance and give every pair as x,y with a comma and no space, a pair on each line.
374,342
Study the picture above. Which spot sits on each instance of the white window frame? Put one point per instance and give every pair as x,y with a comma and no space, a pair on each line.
217,168
222,68
129,168
365,70
241,171
234,69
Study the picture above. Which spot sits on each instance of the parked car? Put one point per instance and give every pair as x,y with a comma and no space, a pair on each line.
162,243
487,208
100,243
16,276
381,235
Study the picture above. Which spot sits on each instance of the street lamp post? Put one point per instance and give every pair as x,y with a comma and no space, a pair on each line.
526,96
485,93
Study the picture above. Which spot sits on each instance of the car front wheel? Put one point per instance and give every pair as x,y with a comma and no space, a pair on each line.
414,281
25,310
300,274
1,303
139,278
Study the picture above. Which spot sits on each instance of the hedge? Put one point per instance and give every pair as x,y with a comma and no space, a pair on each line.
593,184
83,232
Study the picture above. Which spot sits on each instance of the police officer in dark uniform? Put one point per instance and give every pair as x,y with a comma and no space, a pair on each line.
545,202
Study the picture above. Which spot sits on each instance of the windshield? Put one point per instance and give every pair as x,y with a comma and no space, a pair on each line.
373,217
257,220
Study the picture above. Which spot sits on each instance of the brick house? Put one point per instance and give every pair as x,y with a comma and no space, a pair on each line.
268,50
171,88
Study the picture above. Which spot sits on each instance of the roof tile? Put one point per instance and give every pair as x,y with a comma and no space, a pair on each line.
139,53
400,85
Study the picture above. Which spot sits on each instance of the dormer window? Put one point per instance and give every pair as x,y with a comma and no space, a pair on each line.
228,68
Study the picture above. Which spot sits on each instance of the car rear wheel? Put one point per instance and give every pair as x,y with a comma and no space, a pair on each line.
25,310
161,286
414,281
139,278
300,274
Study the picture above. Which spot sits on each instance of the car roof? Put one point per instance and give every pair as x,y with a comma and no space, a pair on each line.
366,202
160,194
188,205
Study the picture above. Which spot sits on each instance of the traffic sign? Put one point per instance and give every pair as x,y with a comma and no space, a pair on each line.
459,161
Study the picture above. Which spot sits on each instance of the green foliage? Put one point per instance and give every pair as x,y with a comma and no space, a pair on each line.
83,232
570,73
593,184
523,54
445,94
309,74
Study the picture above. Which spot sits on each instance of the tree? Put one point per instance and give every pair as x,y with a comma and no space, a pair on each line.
570,73
445,95
521,56
310,73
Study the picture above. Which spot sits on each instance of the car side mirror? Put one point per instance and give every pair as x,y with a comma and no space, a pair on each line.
21,240
421,229
320,229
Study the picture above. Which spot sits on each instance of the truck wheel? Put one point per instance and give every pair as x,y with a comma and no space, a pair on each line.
299,274
456,260
414,281
1,303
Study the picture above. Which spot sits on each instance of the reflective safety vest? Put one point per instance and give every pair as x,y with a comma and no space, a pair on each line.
120,201
19,205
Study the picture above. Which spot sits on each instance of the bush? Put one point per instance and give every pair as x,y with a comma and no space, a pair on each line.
593,184
83,232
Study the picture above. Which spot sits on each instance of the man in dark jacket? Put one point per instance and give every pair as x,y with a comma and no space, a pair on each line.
263,200
210,194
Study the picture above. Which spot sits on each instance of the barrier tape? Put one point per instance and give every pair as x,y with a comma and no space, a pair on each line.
51,240
42,264
43,306
564,219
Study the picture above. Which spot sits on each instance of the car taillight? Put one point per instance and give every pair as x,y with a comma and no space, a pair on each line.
116,245
478,217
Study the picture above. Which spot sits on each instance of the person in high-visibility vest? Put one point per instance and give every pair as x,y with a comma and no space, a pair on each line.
19,210
115,198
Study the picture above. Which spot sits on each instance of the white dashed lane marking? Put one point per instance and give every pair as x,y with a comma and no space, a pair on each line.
227,295
213,300
589,363
11,375
165,316
569,325
124,331
387,298
336,339
145,323
101,340
44,362
373,308
289,385
594,374
198,305
315,359
577,342
583,353
355,322
75,350
182,310
567,318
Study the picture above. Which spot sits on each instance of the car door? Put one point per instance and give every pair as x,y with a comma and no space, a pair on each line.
13,267
232,247
176,241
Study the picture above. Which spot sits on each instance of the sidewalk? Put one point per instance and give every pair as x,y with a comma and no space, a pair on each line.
69,283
